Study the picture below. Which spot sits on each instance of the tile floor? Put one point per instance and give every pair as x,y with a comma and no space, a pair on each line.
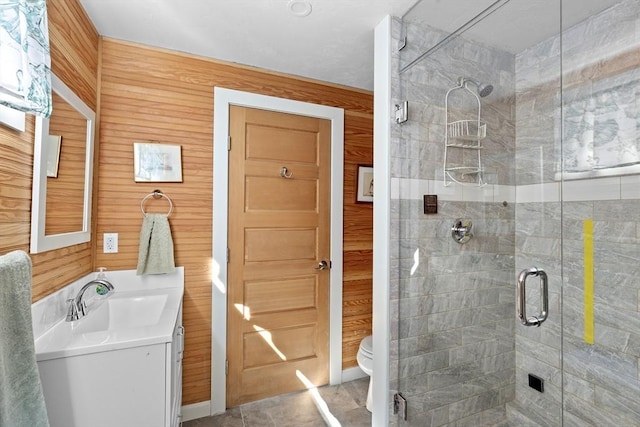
345,402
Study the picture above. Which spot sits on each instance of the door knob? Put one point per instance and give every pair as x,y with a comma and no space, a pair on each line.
323,265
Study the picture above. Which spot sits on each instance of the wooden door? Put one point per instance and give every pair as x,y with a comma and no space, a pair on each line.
279,231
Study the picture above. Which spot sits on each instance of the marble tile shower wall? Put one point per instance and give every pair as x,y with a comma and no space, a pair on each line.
452,305
419,150
601,380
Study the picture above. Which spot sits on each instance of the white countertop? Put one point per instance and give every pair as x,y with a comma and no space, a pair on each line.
134,296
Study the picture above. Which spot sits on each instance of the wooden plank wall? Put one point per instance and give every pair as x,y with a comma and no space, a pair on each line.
74,58
155,95
358,241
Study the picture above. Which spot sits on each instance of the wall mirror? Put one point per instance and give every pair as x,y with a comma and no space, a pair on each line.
62,173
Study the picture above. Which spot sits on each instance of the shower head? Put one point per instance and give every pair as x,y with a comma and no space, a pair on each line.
483,89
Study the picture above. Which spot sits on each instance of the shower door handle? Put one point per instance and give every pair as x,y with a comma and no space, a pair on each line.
521,296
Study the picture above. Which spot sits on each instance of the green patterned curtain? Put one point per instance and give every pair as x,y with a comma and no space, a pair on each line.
25,61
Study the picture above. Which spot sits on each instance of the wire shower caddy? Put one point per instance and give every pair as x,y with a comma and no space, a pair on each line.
463,135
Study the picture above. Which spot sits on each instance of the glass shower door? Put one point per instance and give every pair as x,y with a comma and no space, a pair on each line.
559,175
600,203
461,356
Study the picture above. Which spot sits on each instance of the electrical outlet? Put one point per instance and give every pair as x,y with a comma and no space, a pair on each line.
110,243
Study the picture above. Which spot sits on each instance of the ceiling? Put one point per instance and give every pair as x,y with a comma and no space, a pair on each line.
514,25
334,43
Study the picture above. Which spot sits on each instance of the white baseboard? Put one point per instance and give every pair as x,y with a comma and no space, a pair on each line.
203,409
196,410
351,374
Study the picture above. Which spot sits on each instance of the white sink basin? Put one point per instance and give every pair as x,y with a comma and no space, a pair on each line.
122,311
130,317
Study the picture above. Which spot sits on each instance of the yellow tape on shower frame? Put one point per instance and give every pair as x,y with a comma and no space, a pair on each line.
588,281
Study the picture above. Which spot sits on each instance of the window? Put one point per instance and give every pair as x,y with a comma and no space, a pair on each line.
601,128
25,75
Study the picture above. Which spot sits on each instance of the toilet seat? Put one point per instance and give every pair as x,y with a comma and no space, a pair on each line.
366,346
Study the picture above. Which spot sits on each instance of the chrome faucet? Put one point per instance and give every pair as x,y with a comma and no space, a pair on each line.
78,307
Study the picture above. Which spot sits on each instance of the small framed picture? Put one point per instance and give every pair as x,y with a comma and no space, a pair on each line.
53,156
155,162
364,189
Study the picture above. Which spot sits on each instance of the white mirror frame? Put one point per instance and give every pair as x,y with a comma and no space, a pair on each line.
39,241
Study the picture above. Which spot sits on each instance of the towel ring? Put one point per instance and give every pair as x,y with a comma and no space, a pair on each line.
156,194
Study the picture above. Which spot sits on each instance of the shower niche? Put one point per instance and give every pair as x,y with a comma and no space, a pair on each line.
464,132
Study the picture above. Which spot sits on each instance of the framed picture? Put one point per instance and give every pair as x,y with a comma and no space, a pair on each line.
364,189
53,156
155,162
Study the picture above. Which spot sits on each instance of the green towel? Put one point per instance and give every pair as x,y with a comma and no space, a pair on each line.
155,255
21,399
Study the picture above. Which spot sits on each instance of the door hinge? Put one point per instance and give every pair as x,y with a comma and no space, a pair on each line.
228,255
226,367
402,112
229,143
402,43
400,406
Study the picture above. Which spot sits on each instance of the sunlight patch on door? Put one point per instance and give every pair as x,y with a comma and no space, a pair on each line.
268,338
244,310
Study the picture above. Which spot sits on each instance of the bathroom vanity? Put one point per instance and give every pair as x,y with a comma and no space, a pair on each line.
121,364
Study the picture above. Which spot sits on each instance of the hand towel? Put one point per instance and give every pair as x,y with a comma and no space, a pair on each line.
21,398
155,255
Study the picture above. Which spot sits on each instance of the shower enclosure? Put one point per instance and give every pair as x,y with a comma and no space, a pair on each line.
551,189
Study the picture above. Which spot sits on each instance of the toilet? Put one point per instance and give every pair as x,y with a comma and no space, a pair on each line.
365,361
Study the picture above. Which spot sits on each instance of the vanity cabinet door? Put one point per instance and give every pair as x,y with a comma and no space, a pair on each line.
177,350
124,388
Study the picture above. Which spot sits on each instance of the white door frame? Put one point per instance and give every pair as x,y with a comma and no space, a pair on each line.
382,104
223,99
